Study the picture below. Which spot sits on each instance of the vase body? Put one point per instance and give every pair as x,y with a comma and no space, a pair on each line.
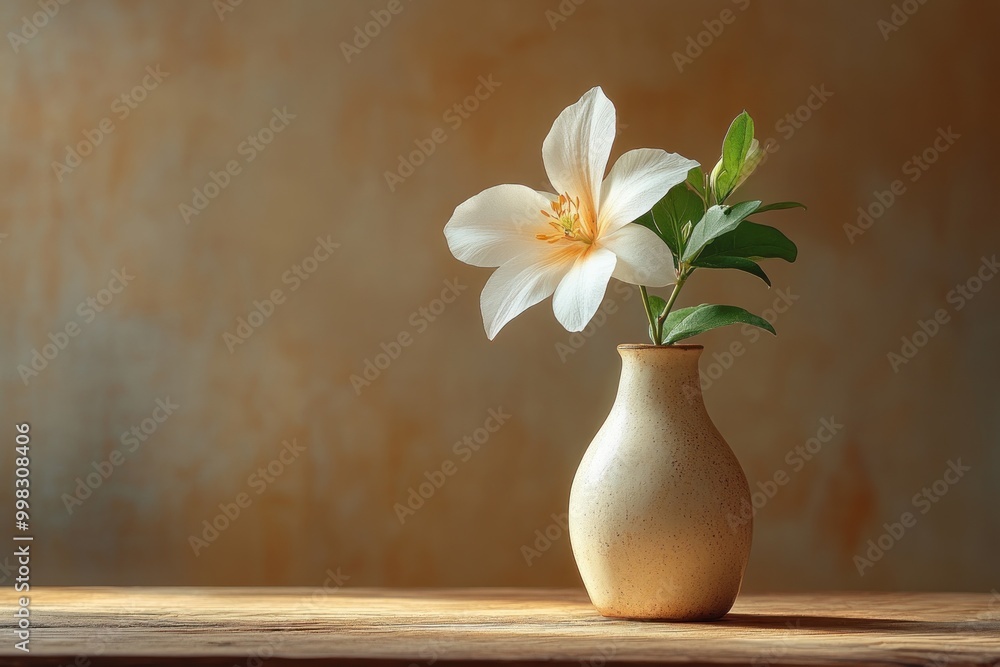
658,512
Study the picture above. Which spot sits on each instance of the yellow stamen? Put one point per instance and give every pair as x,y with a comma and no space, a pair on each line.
567,221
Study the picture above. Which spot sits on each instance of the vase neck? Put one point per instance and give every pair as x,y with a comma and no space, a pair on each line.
667,375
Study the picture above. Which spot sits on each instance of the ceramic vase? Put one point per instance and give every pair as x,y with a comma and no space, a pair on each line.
658,514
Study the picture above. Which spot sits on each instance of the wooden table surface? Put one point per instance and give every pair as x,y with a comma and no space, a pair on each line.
243,626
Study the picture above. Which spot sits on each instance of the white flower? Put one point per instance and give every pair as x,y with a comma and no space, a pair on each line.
571,244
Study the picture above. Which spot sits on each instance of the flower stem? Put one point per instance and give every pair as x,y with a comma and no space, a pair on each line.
649,314
658,327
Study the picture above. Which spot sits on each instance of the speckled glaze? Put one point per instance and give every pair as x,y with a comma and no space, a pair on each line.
657,512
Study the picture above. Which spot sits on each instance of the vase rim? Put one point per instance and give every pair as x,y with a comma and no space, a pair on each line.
649,346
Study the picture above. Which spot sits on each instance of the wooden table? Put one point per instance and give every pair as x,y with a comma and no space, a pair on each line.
243,626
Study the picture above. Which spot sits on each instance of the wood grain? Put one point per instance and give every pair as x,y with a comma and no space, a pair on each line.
240,626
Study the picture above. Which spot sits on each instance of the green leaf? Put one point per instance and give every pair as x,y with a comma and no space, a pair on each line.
734,151
669,215
717,221
737,143
777,206
646,220
676,316
656,305
705,318
731,262
696,180
751,241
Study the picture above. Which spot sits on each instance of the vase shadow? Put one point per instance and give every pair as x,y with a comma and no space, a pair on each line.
850,624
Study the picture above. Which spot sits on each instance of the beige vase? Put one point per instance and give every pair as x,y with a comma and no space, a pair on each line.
657,513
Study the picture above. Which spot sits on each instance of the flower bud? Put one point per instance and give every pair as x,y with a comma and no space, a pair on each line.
753,157
715,175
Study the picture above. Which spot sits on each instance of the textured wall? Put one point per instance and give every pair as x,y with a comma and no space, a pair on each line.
307,137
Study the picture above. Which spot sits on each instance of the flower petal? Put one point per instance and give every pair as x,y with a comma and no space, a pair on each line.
638,180
577,149
520,284
643,257
582,289
498,224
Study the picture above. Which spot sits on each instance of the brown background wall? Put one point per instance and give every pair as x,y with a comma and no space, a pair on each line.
323,176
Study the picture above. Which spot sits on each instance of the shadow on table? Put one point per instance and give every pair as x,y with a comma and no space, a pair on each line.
850,624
